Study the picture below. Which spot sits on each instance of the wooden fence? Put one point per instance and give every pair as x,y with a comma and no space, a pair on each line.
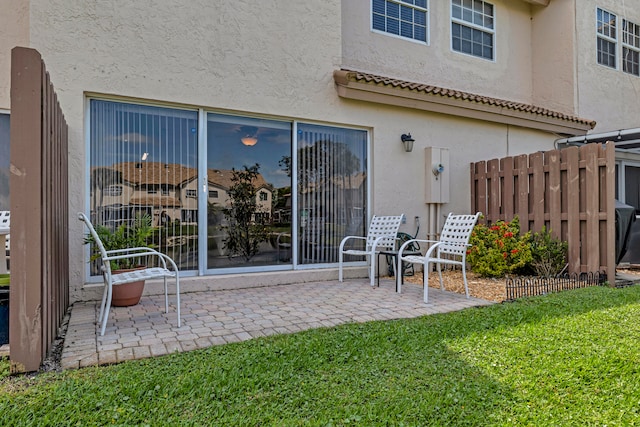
39,296
570,191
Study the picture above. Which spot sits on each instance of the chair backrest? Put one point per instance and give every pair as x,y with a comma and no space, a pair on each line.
385,227
5,217
96,238
456,233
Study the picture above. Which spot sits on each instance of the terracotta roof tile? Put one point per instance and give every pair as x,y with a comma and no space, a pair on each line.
360,77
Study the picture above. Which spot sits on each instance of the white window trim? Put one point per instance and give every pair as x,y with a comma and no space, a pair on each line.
427,10
609,39
628,46
491,31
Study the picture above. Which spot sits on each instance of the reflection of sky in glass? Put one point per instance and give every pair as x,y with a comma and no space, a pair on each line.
226,151
124,132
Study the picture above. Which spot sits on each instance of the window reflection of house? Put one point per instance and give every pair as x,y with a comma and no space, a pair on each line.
168,188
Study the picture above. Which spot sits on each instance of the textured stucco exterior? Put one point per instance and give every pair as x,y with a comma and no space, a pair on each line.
14,31
602,92
276,58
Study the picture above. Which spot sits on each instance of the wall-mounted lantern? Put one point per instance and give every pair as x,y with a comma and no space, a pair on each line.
407,142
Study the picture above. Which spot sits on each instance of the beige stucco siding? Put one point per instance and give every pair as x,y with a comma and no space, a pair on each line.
275,58
436,63
612,96
14,31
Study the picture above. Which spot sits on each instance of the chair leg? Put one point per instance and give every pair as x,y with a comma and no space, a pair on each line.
340,266
372,270
425,281
102,304
178,298
397,266
166,295
438,266
464,277
106,311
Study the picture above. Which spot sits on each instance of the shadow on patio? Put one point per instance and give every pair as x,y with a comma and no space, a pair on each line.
221,317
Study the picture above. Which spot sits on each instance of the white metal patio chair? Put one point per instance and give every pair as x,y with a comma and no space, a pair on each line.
450,249
111,280
380,237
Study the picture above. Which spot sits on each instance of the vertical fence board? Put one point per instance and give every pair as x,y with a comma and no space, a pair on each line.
493,175
521,166
552,161
536,164
571,191
508,190
589,153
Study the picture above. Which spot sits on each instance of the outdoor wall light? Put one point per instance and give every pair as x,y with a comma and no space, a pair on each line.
438,168
407,142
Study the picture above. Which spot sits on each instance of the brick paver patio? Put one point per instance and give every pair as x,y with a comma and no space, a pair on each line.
220,317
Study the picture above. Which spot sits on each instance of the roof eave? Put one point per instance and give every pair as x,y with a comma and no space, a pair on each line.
402,97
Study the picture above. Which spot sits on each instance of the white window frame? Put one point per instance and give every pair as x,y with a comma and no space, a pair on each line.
473,26
191,193
630,43
606,37
406,3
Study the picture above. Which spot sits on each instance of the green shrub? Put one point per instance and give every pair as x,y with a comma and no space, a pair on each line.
499,249
549,255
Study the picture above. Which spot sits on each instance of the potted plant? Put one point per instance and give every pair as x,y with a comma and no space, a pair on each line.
137,234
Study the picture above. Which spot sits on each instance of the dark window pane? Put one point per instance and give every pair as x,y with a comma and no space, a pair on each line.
378,6
393,10
393,26
406,30
378,22
406,13
420,33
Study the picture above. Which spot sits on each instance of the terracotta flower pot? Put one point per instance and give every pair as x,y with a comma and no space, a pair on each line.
129,293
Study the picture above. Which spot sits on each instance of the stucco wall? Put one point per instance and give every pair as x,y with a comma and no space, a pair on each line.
276,58
604,94
14,31
436,64
553,51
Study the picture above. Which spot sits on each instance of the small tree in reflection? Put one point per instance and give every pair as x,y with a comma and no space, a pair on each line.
245,230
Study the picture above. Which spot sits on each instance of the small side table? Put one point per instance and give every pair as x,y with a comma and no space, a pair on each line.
394,255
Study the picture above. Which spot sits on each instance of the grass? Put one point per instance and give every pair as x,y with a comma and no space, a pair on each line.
564,359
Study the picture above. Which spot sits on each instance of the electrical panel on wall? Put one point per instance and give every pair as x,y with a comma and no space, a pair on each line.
436,171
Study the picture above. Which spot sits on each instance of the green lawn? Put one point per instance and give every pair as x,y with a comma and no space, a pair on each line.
564,359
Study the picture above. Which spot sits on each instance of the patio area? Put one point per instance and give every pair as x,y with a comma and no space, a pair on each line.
220,317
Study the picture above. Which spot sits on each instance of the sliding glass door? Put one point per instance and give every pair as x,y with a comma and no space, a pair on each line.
332,189
249,192
218,187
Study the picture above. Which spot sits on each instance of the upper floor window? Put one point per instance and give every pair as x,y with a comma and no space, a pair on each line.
630,47
193,194
264,196
213,194
404,18
606,38
472,28
113,191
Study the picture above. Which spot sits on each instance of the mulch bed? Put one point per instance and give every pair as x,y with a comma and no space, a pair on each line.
489,289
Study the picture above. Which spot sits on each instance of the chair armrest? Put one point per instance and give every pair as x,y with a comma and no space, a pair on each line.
418,241
347,238
141,253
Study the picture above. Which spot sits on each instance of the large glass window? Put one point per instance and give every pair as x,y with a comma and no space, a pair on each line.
332,189
406,18
143,161
249,191
472,28
606,38
4,162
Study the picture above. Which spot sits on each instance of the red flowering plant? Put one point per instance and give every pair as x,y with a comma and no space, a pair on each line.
499,249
